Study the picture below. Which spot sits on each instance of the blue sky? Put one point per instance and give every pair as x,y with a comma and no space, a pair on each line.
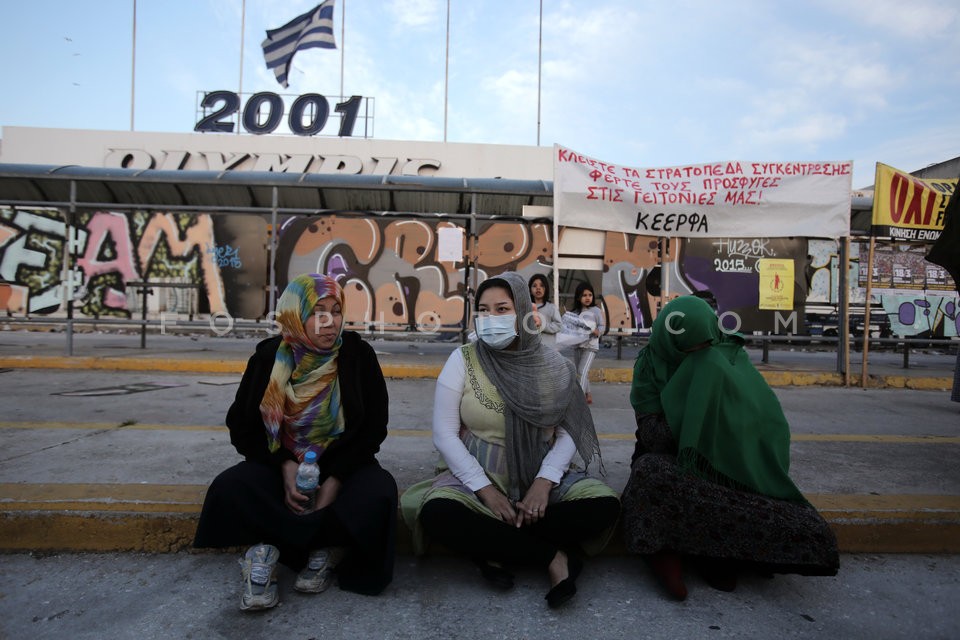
632,82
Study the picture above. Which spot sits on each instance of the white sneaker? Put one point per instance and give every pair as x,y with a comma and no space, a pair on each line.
259,569
318,574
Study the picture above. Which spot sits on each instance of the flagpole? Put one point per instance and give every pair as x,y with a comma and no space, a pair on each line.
446,75
133,64
343,43
843,327
866,312
539,70
243,21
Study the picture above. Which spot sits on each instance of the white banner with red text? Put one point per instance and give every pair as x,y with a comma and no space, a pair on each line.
714,200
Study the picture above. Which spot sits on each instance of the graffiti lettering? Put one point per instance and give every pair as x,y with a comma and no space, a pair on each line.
111,249
755,248
226,256
733,265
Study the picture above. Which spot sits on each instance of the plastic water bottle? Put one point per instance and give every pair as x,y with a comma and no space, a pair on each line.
308,477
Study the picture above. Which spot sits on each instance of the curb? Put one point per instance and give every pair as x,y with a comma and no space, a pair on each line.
162,519
416,371
86,363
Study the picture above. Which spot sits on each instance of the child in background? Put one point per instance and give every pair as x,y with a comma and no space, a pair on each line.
547,315
585,304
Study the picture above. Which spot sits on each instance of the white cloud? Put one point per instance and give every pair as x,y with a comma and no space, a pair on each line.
514,91
807,131
917,19
832,72
417,13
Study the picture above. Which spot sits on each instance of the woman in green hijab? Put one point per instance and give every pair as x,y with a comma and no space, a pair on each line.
710,471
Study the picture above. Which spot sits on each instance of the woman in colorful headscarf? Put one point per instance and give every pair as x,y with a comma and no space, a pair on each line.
710,473
508,417
314,388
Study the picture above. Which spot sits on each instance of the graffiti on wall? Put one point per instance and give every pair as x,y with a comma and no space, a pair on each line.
927,316
390,271
729,268
821,271
113,252
918,314
631,283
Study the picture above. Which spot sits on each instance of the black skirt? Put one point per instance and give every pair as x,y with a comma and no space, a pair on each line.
245,505
667,509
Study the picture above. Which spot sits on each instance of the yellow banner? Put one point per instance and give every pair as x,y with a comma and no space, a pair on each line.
776,284
908,208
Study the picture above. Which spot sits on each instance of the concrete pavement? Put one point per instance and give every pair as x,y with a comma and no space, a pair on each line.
110,451
177,596
112,448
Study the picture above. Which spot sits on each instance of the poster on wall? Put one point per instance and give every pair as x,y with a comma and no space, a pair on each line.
776,284
901,268
720,199
450,244
729,267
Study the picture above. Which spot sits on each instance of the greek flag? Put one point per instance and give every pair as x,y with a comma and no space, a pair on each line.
312,29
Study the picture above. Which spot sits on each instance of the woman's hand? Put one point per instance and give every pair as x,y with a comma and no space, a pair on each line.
534,504
327,492
491,497
291,497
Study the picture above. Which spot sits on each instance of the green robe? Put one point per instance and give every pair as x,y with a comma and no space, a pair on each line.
726,420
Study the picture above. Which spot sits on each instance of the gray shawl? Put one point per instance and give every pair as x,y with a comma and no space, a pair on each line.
540,391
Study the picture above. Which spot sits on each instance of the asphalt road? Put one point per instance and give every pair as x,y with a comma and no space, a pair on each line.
177,596
68,426
167,428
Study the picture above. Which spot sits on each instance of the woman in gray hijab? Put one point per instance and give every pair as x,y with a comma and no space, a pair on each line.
508,418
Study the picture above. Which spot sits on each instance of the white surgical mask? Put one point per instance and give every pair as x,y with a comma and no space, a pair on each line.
497,332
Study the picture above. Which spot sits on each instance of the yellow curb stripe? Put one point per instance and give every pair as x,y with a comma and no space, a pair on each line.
426,371
887,439
814,437
781,378
109,426
922,506
141,498
162,519
410,370
177,497
123,364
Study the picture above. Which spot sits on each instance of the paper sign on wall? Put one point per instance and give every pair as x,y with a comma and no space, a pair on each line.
450,244
776,284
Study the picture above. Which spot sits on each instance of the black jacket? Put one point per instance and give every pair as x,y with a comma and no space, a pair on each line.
363,393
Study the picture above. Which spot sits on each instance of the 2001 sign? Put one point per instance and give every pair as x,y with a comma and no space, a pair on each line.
270,105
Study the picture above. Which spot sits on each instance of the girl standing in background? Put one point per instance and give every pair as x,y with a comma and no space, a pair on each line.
547,315
585,305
